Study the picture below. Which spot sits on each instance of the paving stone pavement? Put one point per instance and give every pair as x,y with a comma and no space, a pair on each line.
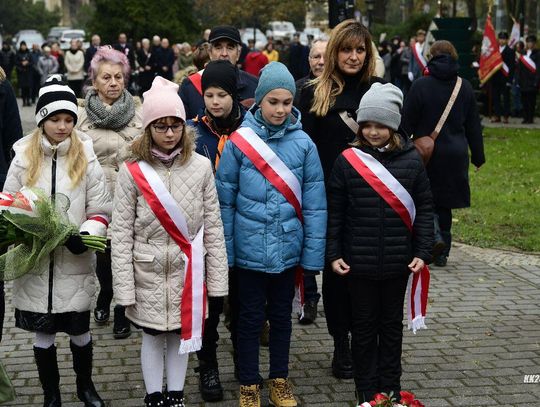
483,337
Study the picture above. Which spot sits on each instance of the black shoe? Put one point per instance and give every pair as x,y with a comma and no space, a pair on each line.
82,365
438,247
101,316
48,375
154,400
440,261
342,366
122,326
310,313
209,383
174,399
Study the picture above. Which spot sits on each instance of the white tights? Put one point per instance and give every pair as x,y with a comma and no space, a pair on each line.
152,362
45,341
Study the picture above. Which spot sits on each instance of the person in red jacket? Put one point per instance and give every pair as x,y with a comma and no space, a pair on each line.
255,61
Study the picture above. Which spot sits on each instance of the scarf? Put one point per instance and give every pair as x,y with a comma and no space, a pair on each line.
115,118
166,159
272,128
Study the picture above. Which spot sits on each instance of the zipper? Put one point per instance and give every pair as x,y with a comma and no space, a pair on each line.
51,256
167,263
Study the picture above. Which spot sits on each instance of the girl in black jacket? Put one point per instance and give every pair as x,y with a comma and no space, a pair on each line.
370,244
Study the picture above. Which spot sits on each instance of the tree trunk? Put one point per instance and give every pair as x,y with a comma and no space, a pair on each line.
530,15
471,7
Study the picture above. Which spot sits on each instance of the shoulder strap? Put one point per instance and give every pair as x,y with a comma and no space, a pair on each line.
446,112
349,121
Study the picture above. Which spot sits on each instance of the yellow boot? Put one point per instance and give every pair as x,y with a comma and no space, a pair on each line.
250,396
281,393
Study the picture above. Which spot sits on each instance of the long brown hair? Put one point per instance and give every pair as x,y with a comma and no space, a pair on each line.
330,84
141,148
76,158
394,142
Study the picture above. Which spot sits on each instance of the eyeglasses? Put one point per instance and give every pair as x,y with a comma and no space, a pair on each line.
163,128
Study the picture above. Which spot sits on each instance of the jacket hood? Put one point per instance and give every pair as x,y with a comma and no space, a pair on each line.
443,67
262,132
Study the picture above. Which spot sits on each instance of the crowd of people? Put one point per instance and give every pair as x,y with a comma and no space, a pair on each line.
233,191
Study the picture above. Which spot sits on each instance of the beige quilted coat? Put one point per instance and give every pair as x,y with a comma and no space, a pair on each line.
109,143
73,285
148,269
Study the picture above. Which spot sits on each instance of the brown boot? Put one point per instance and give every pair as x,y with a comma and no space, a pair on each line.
281,393
250,396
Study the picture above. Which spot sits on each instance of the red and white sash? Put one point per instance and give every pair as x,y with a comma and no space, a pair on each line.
418,56
196,80
281,177
169,214
528,63
389,188
505,70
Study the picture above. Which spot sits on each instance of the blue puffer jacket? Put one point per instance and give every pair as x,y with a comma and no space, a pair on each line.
262,230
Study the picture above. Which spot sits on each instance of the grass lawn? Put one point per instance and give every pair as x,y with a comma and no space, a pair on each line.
505,210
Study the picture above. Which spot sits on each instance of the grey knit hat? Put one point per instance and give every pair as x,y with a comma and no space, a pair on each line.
275,75
381,104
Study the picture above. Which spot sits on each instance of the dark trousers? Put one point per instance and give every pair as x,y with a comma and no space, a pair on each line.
104,275
260,296
377,333
25,94
529,105
336,303
310,288
207,354
76,86
501,91
445,224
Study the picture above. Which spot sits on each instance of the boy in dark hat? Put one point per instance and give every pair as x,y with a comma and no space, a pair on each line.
221,116
225,44
528,78
502,81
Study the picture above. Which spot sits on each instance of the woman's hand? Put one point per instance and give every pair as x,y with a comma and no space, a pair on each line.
416,265
340,267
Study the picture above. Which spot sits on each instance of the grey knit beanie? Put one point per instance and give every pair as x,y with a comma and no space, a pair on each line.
381,104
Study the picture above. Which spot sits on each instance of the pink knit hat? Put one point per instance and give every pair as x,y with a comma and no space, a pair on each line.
162,100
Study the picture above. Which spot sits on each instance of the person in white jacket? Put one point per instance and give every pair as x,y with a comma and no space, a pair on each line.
74,62
167,242
56,295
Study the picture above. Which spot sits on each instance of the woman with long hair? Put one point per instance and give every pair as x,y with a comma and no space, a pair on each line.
328,105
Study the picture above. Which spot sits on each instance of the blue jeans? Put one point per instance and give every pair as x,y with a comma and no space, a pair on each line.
260,296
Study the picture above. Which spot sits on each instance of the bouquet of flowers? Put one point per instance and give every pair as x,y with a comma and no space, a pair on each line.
388,400
32,225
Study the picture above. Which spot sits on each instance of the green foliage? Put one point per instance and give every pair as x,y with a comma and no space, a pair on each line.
143,18
25,14
505,193
406,29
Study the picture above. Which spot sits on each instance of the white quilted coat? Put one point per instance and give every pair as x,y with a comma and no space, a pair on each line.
108,144
148,269
73,284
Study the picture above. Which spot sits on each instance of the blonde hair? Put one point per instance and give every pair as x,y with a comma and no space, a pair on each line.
331,83
76,158
394,142
141,148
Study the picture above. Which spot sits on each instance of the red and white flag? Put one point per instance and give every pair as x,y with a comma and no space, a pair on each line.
514,35
282,178
395,195
490,57
169,214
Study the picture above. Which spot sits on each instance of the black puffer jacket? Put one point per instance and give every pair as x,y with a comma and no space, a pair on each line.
365,231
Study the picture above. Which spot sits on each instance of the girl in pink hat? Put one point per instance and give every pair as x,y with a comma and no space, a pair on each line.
168,250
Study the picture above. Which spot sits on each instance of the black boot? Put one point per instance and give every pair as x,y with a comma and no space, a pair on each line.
174,399
82,364
155,399
342,366
439,245
48,375
122,326
209,383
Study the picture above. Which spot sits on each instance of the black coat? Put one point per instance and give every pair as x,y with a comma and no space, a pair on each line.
329,133
194,101
10,127
364,230
528,81
448,170
24,72
129,51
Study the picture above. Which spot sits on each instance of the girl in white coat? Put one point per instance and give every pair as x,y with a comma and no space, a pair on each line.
167,242
57,295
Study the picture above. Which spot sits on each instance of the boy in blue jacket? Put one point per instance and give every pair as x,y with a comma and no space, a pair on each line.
273,204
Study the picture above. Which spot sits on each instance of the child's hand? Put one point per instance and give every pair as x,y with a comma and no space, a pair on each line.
416,265
340,267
